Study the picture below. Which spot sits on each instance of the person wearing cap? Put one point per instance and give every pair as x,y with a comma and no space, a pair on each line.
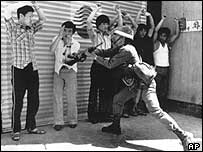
127,56
98,87
65,75
24,71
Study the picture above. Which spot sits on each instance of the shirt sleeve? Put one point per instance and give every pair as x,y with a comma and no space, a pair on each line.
10,24
92,34
117,60
53,42
38,25
107,53
76,47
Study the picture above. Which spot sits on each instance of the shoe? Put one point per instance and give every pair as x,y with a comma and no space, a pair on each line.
72,125
166,110
107,119
112,129
93,121
36,131
58,127
16,136
188,138
134,114
125,115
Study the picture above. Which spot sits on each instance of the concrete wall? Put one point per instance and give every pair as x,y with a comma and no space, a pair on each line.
186,56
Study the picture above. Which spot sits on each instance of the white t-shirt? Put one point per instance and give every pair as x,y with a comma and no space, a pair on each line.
161,56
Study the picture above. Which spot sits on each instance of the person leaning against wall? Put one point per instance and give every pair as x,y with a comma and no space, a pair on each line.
99,73
65,75
24,67
163,42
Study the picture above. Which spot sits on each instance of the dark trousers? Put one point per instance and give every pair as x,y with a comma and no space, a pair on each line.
162,82
100,96
22,80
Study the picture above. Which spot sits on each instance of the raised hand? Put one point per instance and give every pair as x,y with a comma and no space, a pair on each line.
147,14
176,19
124,13
143,10
117,8
61,31
98,6
163,17
35,5
33,2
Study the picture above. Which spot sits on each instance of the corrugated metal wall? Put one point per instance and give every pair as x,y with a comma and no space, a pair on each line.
56,13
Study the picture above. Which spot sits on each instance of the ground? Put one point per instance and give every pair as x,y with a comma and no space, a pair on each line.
141,133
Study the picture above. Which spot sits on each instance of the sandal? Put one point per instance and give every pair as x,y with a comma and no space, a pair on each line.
16,136
36,131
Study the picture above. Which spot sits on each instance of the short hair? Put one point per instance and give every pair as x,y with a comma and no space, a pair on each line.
165,30
141,27
69,24
128,41
102,19
24,10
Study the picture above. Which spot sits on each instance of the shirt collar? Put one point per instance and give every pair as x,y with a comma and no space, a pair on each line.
102,33
25,27
72,41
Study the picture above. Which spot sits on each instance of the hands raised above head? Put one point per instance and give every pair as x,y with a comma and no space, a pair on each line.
147,14
163,17
144,12
124,13
98,6
61,31
117,8
176,19
33,2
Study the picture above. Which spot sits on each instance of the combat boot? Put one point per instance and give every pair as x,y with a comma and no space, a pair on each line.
114,128
188,138
185,137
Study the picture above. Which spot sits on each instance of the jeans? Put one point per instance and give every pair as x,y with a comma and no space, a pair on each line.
66,80
22,80
150,98
162,81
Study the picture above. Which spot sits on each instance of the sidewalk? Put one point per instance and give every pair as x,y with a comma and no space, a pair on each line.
142,133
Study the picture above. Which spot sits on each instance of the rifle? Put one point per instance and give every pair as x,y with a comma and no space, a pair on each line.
80,56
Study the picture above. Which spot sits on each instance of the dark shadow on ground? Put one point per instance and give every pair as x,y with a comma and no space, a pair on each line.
133,128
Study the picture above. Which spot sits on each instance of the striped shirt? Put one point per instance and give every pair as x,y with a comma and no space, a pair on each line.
105,39
98,37
22,43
